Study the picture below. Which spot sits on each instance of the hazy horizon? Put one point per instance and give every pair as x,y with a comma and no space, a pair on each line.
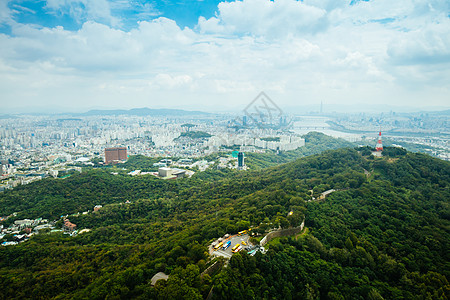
290,110
77,55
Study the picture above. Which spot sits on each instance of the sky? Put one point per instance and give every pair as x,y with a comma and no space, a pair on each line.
76,55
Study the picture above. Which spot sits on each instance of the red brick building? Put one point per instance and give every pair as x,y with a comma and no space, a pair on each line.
115,154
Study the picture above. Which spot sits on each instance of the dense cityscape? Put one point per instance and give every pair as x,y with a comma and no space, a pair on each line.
33,147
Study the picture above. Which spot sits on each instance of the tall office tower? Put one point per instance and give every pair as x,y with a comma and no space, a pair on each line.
240,159
115,154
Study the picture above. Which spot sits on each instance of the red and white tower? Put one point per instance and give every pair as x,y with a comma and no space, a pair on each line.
379,146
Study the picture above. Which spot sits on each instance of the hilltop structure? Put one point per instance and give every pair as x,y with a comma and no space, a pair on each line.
379,147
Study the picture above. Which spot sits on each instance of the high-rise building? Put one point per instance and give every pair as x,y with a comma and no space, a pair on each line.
115,154
240,159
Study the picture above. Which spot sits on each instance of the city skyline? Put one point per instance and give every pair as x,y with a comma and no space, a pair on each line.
77,55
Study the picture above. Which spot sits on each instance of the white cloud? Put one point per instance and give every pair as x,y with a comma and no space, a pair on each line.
84,10
167,81
210,26
5,13
272,19
145,10
312,50
362,63
431,45
20,8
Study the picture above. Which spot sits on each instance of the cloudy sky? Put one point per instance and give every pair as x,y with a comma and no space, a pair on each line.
80,54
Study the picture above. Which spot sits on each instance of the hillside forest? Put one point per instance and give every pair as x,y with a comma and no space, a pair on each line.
382,234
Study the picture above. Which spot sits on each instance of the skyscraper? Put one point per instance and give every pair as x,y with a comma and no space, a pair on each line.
240,160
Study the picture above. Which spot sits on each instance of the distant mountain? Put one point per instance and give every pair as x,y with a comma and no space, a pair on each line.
145,111
7,117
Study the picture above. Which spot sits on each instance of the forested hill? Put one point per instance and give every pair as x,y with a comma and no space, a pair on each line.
51,198
384,232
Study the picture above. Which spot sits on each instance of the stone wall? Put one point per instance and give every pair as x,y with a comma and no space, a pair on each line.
282,232
212,268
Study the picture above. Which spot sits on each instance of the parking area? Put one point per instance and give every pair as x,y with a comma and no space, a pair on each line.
234,239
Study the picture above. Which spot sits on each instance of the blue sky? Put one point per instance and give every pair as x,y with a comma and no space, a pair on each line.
72,14
217,55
